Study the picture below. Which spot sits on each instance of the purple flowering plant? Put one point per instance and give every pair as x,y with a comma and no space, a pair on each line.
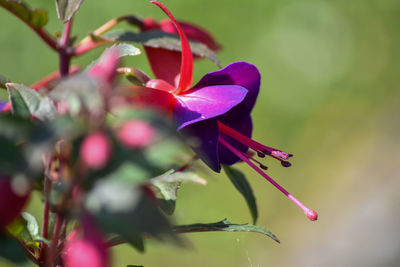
109,155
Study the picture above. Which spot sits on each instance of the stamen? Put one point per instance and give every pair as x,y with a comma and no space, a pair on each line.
186,74
312,215
259,148
250,157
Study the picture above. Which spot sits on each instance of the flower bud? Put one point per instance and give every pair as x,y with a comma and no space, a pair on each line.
96,150
11,200
89,250
136,134
106,69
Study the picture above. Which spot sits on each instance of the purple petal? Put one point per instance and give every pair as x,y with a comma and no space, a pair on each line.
243,126
238,73
206,103
205,143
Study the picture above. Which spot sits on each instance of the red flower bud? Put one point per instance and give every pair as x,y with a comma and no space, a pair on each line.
96,150
89,250
11,201
136,134
106,69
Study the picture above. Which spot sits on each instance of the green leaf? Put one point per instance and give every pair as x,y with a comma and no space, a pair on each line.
15,128
166,187
26,229
67,8
160,39
31,224
11,158
79,92
11,250
123,209
126,166
167,147
224,226
240,182
18,105
25,101
124,50
35,17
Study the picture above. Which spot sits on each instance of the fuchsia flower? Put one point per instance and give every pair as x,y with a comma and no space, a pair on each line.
166,63
216,111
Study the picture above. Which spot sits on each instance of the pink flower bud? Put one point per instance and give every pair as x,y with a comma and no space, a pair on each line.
106,69
11,201
136,134
89,250
96,150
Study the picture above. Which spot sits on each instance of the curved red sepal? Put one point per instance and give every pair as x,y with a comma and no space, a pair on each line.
186,75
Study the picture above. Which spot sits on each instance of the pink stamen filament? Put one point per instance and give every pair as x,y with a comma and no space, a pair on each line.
186,73
272,152
310,213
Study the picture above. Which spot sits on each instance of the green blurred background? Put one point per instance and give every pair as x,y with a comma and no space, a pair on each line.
330,95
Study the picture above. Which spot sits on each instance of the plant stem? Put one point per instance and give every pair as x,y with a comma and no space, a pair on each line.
45,36
46,81
64,50
51,256
84,48
46,212
28,253
42,33
87,44
109,25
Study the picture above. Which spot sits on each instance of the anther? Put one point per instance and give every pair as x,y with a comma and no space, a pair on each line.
266,152
261,155
286,164
262,166
280,154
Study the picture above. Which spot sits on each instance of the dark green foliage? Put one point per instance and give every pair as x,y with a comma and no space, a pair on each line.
35,17
67,8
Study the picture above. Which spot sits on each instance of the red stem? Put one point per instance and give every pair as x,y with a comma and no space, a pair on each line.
63,50
45,37
84,48
51,256
46,212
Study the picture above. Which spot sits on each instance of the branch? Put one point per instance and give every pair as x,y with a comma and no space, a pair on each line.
88,43
65,55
